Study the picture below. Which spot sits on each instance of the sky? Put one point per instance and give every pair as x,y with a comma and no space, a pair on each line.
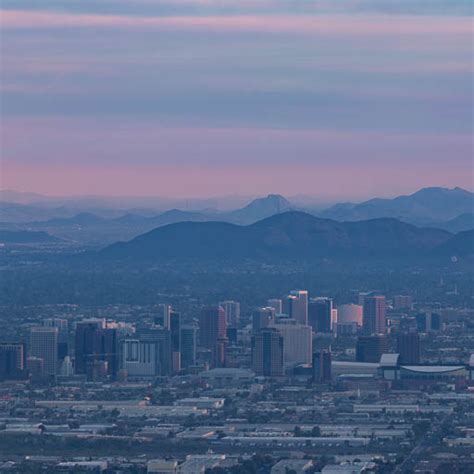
341,99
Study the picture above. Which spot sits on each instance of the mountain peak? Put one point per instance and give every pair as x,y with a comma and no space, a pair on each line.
261,208
425,206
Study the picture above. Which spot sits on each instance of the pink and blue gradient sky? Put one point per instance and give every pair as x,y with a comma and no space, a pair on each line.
199,98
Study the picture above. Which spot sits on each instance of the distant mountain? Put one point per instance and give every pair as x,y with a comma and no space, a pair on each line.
26,237
259,209
286,235
428,205
169,217
19,197
175,215
81,219
14,212
460,245
458,224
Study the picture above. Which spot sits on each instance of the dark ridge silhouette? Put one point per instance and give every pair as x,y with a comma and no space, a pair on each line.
460,245
285,235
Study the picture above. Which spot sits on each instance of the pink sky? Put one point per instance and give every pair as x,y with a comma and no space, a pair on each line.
342,100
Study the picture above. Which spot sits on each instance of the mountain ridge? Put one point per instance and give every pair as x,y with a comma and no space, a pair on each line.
288,234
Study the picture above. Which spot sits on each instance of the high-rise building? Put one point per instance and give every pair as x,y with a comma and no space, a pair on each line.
63,334
276,304
296,306
402,302
349,313
147,353
371,348
213,333
175,329
428,321
408,346
232,312
12,360
267,352
362,295
95,342
297,342
140,358
374,320
44,345
35,368
262,318
66,369
320,314
162,317
188,346
161,337
322,372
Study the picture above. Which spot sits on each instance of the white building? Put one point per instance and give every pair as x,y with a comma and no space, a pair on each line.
297,342
232,312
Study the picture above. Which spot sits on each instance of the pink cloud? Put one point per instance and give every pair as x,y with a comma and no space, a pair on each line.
118,157
373,25
328,181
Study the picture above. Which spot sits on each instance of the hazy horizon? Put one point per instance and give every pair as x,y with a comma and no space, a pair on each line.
231,196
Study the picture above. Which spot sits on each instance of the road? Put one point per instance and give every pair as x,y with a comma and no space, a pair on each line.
431,438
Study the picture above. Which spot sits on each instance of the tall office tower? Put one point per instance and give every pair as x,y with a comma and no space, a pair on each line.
63,334
297,342
276,304
262,318
140,358
349,313
402,302
95,342
267,352
428,321
232,312
44,345
296,306
371,348
212,326
163,356
162,317
188,346
213,333
66,369
362,295
322,372
408,346
35,367
12,360
85,340
232,335
374,321
175,329
320,314
219,352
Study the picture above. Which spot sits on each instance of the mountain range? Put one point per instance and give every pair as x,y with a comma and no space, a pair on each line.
447,209
290,234
426,206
